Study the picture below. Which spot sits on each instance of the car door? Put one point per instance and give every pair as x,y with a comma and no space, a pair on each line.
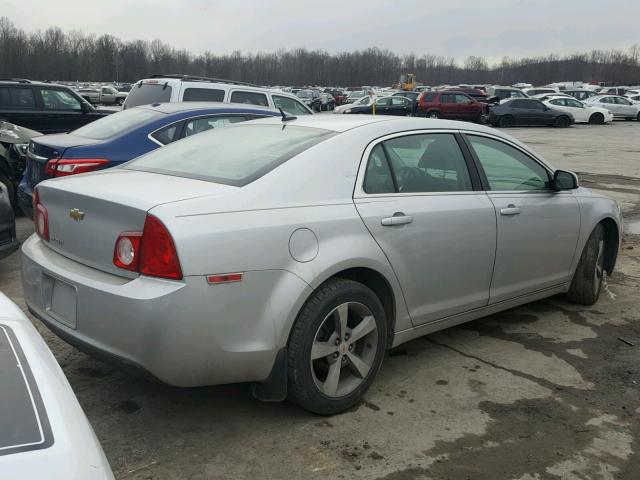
538,112
537,227
62,112
578,110
466,107
448,105
625,107
420,201
399,106
610,104
521,112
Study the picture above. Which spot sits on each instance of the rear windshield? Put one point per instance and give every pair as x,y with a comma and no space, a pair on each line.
234,155
148,93
117,123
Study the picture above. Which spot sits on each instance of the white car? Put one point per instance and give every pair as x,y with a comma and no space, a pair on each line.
582,113
537,91
361,102
44,433
619,106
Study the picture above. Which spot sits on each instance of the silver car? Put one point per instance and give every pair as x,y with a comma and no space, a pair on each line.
291,253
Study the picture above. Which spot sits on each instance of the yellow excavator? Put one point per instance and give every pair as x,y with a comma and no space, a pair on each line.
407,82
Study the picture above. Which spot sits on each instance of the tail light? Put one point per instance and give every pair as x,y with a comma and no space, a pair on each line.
150,252
59,167
40,217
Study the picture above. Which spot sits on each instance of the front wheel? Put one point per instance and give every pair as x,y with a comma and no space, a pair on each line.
589,276
433,114
596,119
336,347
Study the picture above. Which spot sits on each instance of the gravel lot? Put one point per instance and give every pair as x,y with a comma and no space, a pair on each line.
544,391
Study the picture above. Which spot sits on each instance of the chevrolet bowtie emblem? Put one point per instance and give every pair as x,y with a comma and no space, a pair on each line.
76,214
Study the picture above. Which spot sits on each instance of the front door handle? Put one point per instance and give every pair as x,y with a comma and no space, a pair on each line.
398,218
510,210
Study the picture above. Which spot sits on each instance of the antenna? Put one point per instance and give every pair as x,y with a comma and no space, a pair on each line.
285,117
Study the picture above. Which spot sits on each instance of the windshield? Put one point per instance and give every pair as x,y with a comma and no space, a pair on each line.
235,155
147,93
116,123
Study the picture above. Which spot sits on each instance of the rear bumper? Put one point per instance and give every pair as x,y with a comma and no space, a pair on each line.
186,333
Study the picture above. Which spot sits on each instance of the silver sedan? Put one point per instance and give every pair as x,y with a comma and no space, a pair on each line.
291,253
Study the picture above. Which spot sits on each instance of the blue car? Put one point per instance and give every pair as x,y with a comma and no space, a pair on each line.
121,137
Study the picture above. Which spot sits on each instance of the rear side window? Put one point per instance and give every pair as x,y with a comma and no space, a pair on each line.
250,98
417,164
199,125
235,155
148,93
117,123
203,95
17,98
290,105
167,134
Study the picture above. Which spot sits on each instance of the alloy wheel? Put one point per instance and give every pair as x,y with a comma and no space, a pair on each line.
344,349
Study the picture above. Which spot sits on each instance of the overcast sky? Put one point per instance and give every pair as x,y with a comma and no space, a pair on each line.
457,28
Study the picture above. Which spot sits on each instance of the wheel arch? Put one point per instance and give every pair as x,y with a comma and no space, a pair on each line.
611,243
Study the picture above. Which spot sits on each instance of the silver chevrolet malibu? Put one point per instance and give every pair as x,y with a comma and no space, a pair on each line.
291,253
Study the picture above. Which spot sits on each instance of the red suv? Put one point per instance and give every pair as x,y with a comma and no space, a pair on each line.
452,105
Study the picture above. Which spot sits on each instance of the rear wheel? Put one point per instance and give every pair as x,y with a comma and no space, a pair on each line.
596,119
507,121
336,347
562,122
589,276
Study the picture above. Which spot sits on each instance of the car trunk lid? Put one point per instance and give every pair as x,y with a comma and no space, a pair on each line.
87,213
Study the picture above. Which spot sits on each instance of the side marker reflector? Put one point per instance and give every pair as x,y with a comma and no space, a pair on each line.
224,278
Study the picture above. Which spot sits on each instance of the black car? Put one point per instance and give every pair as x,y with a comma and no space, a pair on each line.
386,106
527,111
45,107
8,241
311,98
413,96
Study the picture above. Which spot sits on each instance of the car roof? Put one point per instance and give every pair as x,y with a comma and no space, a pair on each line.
177,107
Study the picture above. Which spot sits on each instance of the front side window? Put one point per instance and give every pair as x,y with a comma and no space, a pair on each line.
54,99
290,105
203,95
236,155
418,164
447,98
507,168
199,125
250,98
428,97
561,102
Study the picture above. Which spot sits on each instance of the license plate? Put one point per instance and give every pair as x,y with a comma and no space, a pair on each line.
60,300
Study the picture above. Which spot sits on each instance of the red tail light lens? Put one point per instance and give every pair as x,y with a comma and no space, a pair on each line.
62,167
150,252
40,217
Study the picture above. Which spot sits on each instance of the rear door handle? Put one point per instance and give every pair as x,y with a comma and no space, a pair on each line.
510,210
398,218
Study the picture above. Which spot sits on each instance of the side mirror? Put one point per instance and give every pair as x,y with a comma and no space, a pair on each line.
563,180
84,107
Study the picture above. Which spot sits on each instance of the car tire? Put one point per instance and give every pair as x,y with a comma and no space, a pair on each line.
507,121
10,188
589,275
562,122
638,117
330,383
596,119
433,114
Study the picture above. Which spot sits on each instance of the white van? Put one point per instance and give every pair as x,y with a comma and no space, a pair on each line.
185,88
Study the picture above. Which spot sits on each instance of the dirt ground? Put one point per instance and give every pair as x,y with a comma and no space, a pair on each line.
550,390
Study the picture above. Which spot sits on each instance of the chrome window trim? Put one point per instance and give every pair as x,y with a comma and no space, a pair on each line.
158,142
359,192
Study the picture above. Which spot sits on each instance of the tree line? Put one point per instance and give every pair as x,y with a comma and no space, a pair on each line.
53,54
